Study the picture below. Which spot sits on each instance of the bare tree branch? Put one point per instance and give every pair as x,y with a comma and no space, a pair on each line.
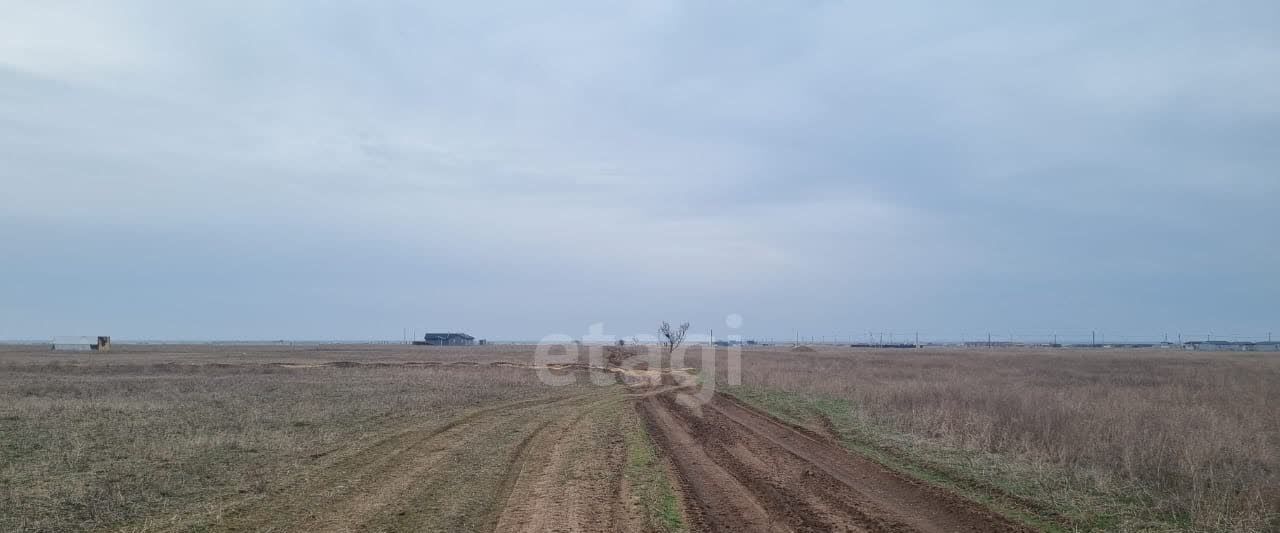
673,336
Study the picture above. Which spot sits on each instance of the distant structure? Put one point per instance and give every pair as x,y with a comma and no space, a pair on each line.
446,339
81,344
994,344
1233,346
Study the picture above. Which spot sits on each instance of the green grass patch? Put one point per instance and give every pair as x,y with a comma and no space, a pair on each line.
647,477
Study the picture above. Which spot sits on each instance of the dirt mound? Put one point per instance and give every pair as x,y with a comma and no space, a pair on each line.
805,349
615,356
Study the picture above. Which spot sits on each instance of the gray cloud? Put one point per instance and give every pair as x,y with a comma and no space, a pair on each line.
306,169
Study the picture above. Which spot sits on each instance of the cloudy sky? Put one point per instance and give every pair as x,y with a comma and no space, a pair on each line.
344,170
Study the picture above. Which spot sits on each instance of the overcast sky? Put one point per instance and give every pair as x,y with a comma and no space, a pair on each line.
344,170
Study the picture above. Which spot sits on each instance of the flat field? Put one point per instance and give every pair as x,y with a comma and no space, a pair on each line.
217,438
398,438
1070,439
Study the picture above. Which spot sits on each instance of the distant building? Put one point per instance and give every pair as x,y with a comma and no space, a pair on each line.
81,344
1233,346
446,339
994,344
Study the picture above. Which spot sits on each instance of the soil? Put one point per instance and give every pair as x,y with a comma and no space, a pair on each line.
745,471
558,463
572,480
538,465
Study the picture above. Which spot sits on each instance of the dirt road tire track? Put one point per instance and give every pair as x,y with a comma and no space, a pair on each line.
382,484
556,464
744,471
572,480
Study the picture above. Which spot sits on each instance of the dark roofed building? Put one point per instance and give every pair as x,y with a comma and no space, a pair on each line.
447,339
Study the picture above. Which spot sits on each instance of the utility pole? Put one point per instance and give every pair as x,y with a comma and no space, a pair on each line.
917,339
1093,335
988,339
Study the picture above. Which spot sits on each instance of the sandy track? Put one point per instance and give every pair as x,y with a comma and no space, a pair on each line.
744,471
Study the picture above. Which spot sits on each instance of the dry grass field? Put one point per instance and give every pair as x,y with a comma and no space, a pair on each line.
396,438
1108,440
309,439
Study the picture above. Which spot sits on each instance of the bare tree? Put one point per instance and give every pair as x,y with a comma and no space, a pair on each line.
673,336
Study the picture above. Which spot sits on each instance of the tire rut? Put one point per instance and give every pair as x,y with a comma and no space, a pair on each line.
745,471
571,481
362,484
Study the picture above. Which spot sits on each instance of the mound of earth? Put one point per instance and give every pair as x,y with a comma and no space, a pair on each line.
616,355
803,349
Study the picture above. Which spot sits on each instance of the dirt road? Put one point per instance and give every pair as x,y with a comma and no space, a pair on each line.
572,480
744,471
564,463
537,465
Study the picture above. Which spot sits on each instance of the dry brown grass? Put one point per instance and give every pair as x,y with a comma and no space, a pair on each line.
1193,437
114,440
